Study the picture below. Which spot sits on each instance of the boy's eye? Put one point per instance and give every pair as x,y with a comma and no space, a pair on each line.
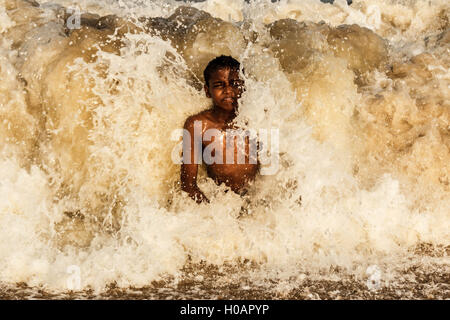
237,83
234,83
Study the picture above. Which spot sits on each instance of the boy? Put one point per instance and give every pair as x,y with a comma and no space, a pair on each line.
212,133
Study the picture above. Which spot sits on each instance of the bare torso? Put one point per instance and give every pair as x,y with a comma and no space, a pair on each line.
237,172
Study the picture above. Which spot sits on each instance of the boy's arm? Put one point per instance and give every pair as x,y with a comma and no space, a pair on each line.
189,170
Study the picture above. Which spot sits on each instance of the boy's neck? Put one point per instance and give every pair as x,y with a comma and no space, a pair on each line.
224,115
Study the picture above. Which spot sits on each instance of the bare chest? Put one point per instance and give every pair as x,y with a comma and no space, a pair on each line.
226,145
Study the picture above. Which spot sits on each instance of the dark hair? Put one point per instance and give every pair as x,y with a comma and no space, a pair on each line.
219,63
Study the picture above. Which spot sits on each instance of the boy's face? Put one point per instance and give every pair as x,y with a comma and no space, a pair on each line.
225,88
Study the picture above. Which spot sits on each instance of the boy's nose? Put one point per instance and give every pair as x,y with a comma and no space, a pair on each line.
228,88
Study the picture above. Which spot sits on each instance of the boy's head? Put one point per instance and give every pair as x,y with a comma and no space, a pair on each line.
222,82
222,62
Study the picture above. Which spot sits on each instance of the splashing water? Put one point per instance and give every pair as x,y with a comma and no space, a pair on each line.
360,95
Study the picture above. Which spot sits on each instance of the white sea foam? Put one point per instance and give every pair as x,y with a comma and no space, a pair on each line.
86,177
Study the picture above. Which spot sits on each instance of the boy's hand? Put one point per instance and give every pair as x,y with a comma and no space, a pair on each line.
199,197
196,194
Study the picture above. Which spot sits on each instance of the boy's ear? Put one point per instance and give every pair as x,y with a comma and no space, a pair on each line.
207,91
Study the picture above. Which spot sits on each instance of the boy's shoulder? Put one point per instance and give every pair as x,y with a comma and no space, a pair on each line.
205,115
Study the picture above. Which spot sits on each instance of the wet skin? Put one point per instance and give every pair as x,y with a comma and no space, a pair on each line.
224,88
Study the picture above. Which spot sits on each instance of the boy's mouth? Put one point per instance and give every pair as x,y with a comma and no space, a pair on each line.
229,99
